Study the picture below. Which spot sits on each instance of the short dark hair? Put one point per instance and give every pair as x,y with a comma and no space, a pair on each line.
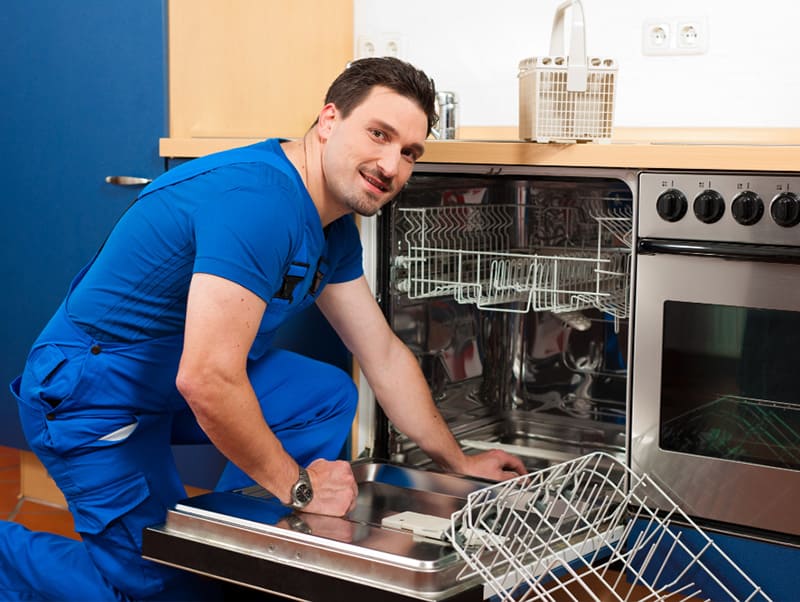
353,85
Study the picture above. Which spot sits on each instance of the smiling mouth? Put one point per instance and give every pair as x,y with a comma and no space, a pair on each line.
376,182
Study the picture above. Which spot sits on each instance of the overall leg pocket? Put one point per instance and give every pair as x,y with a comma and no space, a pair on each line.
77,433
111,518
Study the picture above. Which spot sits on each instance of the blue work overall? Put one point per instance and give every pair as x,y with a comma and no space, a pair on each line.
102,416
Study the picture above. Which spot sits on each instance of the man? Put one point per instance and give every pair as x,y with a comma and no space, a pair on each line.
165,337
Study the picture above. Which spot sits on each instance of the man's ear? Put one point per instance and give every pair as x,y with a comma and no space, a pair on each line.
327,118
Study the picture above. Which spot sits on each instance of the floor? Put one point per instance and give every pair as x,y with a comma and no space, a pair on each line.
34,515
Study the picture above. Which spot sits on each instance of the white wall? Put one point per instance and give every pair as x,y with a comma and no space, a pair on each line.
748,78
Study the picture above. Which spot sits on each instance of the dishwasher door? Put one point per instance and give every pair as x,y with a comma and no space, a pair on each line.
248,538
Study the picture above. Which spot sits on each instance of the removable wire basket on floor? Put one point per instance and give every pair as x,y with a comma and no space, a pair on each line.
583,530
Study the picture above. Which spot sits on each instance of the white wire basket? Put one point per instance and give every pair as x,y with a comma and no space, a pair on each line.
582,530
467,252
567,98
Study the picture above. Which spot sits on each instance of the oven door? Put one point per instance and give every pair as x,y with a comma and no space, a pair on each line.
715,384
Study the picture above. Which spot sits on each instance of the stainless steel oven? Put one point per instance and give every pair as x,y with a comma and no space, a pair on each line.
715,380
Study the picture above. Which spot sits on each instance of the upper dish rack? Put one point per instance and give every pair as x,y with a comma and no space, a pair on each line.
468,251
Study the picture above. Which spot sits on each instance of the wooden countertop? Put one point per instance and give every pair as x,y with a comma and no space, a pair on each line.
775,149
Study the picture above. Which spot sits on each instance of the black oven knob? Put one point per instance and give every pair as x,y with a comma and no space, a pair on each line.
785,209
709,206
671,205
747,208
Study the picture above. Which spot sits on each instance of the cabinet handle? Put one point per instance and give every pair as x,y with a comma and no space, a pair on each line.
127,180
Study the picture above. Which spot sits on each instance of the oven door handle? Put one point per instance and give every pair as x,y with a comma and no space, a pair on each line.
722,250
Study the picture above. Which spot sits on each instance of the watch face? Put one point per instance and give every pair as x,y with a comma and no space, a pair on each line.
303,494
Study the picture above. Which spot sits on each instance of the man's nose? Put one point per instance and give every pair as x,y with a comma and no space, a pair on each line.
389,162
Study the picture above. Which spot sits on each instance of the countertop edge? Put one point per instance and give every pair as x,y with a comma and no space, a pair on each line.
760,156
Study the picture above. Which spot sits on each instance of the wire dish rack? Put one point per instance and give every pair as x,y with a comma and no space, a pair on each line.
582,530
468,252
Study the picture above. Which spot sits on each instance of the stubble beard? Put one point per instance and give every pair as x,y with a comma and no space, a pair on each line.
365,206
363,203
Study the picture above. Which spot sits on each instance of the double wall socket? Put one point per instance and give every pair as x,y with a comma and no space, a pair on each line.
675,35
384,44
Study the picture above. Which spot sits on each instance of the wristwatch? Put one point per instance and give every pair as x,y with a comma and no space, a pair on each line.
301,493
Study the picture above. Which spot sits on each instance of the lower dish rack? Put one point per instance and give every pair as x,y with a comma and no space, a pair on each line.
581,530
468,252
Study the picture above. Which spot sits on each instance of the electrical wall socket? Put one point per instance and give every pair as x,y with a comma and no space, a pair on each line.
675,36
692,34
384,44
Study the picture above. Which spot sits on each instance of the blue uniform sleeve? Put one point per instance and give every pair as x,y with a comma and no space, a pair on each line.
250,231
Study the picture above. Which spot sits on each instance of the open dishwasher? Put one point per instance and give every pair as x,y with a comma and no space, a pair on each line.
511,285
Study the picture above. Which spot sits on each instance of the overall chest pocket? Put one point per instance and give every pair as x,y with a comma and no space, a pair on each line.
298,290
295,285
293,295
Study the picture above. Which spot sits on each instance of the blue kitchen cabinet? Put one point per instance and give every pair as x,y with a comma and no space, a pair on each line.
83,98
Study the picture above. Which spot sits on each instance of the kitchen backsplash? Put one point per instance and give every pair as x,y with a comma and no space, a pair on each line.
748,77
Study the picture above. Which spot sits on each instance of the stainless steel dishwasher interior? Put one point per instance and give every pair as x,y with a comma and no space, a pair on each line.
513,294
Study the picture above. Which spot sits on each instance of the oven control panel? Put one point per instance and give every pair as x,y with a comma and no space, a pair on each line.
753,208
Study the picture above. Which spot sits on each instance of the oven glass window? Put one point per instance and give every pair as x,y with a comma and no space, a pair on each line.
730,383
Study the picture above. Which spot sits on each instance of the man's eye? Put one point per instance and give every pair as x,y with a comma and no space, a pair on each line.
378,134
410,155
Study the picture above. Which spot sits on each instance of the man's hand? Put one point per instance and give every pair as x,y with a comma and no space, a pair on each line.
495,464
335,488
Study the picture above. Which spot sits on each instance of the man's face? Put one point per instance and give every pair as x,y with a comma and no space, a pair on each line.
369,155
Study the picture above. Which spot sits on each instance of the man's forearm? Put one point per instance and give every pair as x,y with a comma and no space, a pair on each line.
230,415
405,396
